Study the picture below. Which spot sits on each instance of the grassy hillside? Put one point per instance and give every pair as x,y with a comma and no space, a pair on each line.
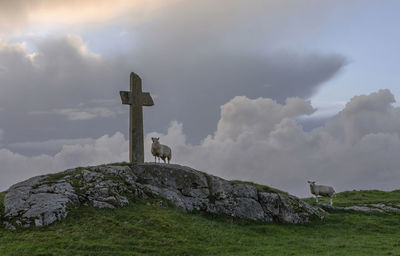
147,228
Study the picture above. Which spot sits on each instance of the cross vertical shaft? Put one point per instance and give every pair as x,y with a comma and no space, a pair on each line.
136,121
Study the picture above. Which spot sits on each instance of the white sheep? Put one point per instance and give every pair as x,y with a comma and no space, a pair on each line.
321,190
160,151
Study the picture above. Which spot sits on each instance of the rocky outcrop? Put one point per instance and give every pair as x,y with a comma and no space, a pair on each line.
45,199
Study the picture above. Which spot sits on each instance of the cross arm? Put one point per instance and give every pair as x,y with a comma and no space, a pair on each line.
127,98
147,100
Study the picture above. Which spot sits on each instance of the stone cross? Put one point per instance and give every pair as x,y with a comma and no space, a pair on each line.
136,99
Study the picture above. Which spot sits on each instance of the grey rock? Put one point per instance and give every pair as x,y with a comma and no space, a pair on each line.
386,208
270,203
100,204
287,208
9,225
363,209
248,208
90,176
43,200
244,190
220,188
368,208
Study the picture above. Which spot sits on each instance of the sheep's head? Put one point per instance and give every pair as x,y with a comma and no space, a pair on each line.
155,140
312,183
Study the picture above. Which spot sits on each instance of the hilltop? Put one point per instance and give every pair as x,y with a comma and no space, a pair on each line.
45,199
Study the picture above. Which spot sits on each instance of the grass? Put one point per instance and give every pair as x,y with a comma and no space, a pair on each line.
260,188
120,164
146,228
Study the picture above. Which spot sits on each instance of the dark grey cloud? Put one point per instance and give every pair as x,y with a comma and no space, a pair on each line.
48,147
193,57
197,58
193,95
63,81
40,95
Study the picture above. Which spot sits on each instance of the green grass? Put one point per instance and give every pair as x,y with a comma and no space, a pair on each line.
120,164
146,228
361,197
260,188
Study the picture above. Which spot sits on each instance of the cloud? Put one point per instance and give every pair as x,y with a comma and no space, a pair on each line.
49,147
64,79
63,73
260,140
80,113
197,54
364,115
22,13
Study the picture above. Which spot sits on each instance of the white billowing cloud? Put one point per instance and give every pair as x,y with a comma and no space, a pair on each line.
16,167
257,116
105,149
260,140
366,114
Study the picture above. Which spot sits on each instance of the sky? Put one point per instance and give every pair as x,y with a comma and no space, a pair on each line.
272,91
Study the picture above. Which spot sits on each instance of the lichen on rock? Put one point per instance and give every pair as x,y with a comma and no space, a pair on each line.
43,200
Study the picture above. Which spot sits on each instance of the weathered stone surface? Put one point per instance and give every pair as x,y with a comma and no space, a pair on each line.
287,208
45,199
34,202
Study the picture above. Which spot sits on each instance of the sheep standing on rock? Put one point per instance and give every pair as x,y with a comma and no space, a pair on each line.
321,190
160,151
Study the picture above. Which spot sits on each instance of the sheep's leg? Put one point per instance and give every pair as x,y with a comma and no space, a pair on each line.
331,201
155,159
316,199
